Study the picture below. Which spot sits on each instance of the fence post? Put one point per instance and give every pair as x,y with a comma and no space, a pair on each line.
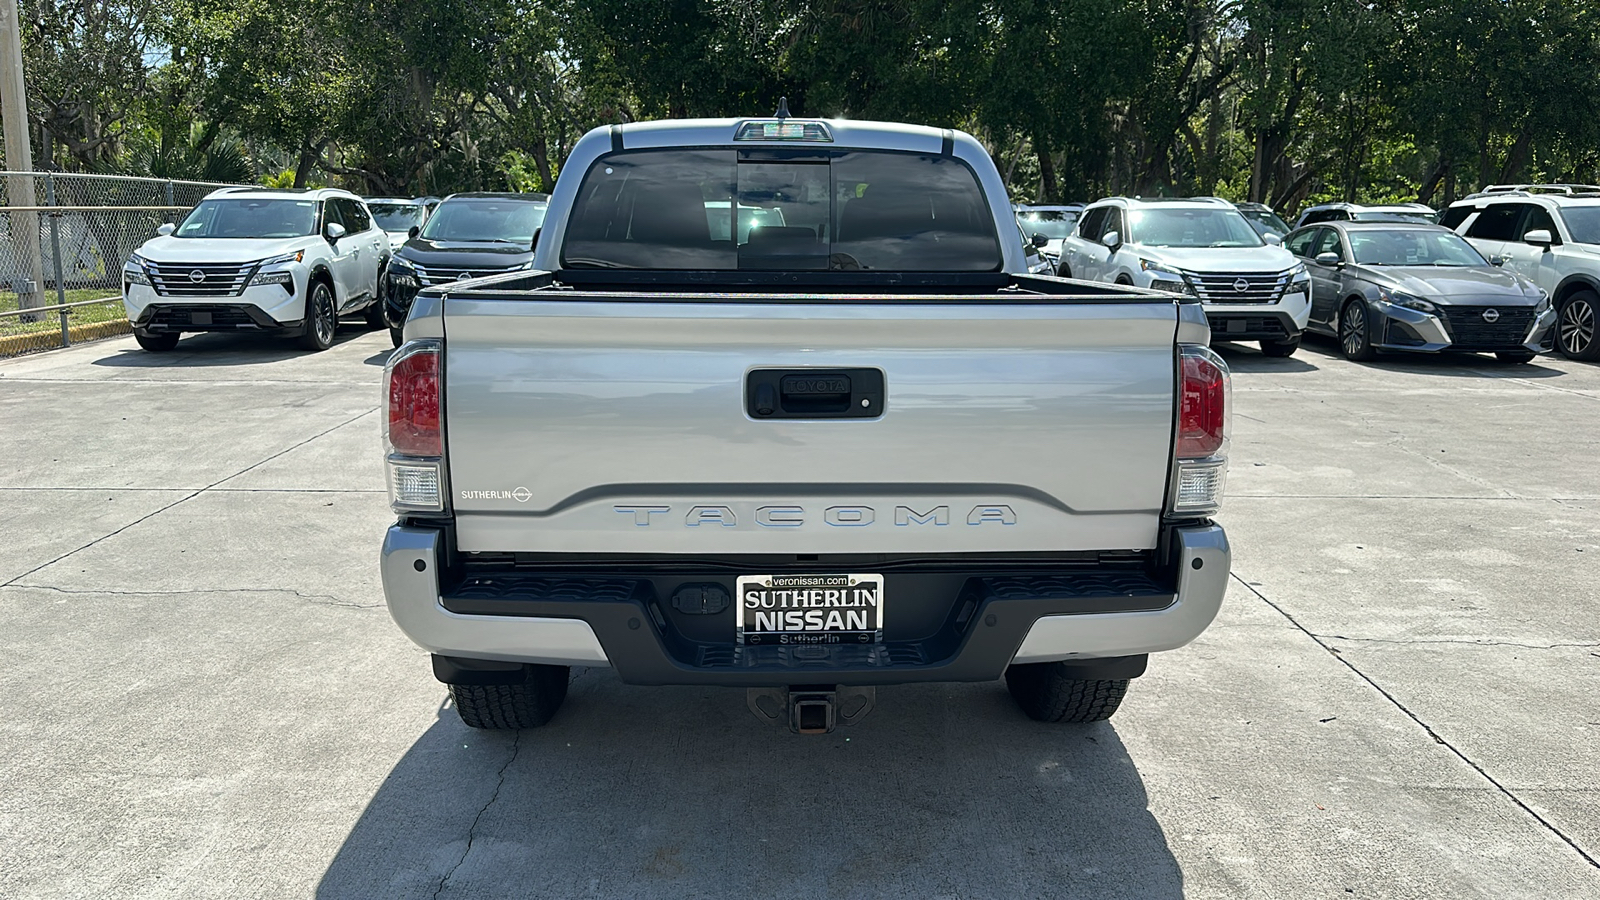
55,252
167,214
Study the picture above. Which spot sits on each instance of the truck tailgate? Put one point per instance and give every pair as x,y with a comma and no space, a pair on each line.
592,425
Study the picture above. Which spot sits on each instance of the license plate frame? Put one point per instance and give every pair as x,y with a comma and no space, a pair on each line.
758,598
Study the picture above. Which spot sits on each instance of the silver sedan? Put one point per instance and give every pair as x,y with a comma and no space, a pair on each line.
1419,288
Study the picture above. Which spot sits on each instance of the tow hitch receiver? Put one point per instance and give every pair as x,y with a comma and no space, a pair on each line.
812,708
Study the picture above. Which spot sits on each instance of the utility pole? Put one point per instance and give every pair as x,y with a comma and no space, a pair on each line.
19,158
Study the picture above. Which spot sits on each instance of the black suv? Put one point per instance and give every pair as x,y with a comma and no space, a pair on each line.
467,236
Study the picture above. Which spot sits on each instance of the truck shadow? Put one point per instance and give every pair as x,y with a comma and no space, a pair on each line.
944,790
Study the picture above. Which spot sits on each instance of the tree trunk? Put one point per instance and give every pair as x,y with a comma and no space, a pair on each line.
302,169
1049,190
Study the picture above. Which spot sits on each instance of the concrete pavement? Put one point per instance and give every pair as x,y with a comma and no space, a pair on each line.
203,696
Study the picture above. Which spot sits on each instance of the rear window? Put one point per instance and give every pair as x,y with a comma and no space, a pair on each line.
778,210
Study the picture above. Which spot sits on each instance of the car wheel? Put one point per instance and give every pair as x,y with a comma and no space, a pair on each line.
1046,694
1280,349
1063,270
1354,342
509,706
1575,327
1515,356
321,319
157,343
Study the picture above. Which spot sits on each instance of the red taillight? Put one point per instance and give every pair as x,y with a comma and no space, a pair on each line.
1202,410
414,403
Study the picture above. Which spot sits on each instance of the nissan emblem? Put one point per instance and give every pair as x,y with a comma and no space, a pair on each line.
1491,316
1241,285
463,276
197,276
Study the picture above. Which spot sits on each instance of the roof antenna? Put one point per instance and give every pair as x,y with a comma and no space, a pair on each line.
783,108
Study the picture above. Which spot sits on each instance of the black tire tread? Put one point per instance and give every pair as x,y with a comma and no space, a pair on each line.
512,706
1280,349
1046,695
157,343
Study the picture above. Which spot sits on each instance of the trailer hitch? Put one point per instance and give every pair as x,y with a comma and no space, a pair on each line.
812,708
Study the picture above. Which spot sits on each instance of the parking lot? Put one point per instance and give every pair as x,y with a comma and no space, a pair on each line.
204,696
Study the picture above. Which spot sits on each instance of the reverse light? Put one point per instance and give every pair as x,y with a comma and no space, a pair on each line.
1201,452
412,431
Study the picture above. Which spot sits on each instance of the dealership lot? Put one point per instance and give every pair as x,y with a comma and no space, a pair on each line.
204,696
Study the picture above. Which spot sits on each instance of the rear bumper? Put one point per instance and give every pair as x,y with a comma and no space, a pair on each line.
992,621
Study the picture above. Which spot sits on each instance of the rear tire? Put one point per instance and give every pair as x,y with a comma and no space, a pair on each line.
1514,357
1355,343
510,706
157,343
1047,695
1575,327
1280,349
321,318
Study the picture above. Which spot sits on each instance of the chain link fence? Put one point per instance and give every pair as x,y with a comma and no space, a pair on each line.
63,239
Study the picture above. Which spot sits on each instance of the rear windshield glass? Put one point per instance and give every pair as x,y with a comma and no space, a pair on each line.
397,217
250,217
493,220
1054,224
839,210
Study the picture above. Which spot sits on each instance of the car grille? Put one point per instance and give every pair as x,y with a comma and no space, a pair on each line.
201,316
1224,287
1246,327
1468,328
431,276
215,279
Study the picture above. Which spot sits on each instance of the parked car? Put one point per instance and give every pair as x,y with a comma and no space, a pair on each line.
1251,288
467,236
258,259
1418,288
1553,239
1054,222
779,464
400,219
1263,219
1356,212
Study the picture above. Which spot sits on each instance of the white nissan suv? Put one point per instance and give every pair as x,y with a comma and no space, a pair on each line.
1550,235
258,260
1249,286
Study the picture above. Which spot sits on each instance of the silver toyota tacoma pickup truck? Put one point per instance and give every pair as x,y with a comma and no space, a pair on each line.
778,407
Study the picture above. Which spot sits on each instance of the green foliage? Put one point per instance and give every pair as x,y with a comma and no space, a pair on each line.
1286,101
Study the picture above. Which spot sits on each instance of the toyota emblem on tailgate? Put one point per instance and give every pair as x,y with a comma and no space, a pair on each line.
1241,285
1491,316
197,276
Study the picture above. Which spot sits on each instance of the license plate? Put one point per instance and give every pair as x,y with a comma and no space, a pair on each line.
809,609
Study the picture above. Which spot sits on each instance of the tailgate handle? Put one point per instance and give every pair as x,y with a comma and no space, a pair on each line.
814,393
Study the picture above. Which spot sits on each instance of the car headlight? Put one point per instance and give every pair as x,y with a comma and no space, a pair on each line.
1544,301
282,258
1400,298
133,270
1150,265
405,272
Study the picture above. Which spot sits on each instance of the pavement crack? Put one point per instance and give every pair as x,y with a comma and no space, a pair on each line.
190,496
1461,641
319,599
1426,728
472,831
